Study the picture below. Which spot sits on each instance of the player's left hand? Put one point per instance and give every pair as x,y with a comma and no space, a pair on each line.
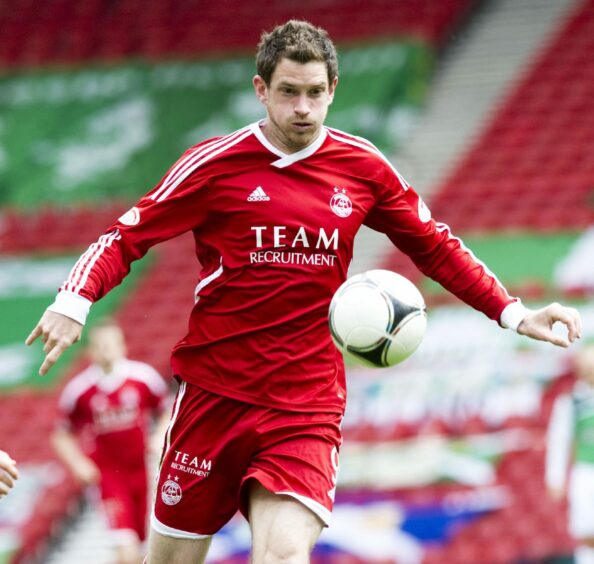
538,324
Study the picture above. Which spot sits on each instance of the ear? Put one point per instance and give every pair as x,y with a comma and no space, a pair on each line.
332,89
261,89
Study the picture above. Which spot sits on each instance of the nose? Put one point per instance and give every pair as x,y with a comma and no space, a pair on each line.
302,105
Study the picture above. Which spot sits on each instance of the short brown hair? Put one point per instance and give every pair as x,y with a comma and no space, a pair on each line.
298,41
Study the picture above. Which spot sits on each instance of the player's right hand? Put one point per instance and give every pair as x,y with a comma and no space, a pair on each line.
58,332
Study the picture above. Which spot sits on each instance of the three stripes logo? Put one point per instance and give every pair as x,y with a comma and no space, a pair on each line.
258,195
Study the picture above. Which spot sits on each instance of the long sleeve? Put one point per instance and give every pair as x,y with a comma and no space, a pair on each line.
178,204
402,215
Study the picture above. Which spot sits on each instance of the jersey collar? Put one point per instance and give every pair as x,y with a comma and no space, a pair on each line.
108,383
284,158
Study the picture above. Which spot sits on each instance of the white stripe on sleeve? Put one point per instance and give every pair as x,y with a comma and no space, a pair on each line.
443,227
196,159
80,271
105,242
367,146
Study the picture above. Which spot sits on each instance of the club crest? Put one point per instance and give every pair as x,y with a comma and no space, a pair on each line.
340,203
171,493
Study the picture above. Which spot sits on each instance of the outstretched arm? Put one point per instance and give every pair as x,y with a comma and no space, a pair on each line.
179,203
538,324
404,217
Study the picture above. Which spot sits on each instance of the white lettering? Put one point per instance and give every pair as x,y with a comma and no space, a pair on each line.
189,470
323,238
258,231
278,235
183,461
301,237
284,257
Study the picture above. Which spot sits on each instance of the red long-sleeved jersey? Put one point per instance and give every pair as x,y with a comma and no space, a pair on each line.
274,234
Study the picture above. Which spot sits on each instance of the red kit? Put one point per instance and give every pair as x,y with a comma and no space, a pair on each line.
274,234
111,414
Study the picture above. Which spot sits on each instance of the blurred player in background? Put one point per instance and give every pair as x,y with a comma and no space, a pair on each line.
571,436
8,473
102,435
274,208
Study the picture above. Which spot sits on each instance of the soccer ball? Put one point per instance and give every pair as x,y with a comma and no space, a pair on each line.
378,318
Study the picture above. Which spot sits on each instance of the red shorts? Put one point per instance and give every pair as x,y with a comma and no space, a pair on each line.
215,445
124,500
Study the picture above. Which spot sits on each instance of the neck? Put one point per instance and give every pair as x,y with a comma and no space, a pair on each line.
106,367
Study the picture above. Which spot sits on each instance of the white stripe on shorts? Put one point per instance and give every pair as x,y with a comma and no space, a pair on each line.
180,395
166,531
322,512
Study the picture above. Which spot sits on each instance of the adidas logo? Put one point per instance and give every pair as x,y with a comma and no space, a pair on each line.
258,195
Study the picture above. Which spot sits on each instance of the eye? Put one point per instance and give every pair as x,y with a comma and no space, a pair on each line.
317,91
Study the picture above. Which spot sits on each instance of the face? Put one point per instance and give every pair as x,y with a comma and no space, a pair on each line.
296,102
106,345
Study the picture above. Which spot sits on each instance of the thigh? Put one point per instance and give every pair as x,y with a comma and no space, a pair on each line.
298,458
207,450
283,529
165,550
